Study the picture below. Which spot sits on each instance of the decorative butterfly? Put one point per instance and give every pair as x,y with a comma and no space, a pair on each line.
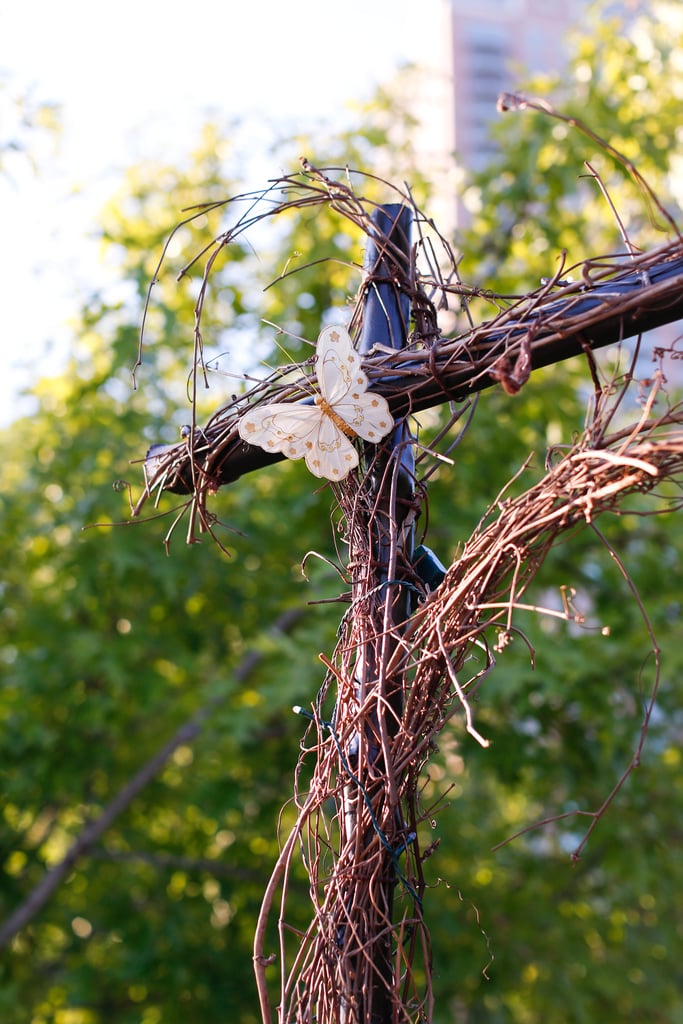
323,433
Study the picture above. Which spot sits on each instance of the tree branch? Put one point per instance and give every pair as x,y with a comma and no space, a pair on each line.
92,832
608,305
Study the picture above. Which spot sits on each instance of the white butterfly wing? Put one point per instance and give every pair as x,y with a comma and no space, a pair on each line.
281,427
332,455
367,414
345,387
338,365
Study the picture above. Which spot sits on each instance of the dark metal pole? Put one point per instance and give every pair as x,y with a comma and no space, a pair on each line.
389,493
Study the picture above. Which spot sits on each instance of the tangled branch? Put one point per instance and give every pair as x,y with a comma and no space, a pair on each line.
328,970
394,681
611,298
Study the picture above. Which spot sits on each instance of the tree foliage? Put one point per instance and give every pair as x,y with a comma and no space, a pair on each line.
108,646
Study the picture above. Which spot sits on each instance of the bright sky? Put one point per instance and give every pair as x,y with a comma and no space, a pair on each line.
135,79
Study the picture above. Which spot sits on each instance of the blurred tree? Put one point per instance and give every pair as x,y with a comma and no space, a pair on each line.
108,647
596,940
27,124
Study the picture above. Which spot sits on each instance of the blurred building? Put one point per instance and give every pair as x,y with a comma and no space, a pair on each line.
494,45
480,49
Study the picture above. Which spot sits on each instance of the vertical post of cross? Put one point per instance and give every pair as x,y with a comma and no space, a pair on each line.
386,316
389,504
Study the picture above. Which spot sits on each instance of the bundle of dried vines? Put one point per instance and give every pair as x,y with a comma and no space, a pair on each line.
394,681
361,959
